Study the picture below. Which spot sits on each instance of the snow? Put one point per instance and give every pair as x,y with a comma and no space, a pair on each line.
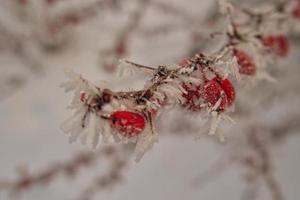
30,121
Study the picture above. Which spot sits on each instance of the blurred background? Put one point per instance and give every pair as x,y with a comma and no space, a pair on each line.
39,38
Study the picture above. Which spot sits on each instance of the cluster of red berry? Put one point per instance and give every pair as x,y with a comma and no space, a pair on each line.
208,94
216,93
211,91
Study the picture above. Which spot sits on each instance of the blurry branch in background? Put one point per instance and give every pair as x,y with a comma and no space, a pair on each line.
199,27
120,46
255,159
106,180
259,167
267,166
9,85
212,173
30,28
182,20
29,34
115,155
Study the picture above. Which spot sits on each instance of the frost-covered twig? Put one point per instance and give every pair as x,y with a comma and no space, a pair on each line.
30,27
199,84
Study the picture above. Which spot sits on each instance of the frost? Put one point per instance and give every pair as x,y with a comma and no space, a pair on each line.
215,121
145,143
126,69
173,91
225,6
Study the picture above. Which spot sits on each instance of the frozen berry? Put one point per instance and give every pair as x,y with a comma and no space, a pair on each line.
246,64
192,97
212,92
229,90
209,93
277,43
217,89
128,123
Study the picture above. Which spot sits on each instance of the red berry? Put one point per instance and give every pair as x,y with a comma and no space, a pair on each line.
212,92
23,2
246,64
219,88
191,97
229,90
277,43
296,10
128,123
209,93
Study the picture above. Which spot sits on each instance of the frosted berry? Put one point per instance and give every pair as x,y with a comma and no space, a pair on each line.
192,97
209,93
246,64
277,43
216,89
228,88
212,92
128,123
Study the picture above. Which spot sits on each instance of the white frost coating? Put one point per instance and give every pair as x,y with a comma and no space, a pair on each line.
73,125
126,69
215,121
91,129
186,70
172,90
145,143
225,6
190,79
267,77
82,124
94,131
217,104
77,82
234,68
